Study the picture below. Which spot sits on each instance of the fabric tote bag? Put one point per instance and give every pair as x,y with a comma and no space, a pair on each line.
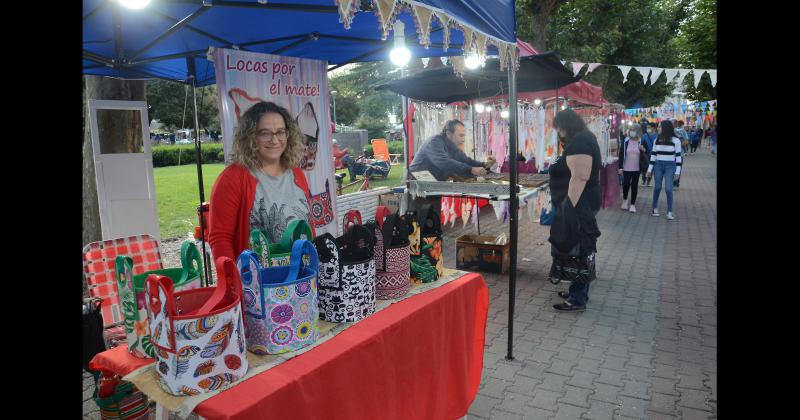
431,234
392,257
131,294
280,303
198,334
346,275
271,254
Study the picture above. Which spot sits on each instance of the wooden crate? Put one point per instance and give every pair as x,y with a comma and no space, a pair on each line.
474,254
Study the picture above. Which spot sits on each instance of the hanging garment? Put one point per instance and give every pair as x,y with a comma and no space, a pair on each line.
499,140
466,209
475,213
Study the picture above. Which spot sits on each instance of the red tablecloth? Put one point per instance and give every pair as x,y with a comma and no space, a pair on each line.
417,359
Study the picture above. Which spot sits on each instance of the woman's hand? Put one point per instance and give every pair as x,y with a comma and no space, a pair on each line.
642,149
619,171
677,177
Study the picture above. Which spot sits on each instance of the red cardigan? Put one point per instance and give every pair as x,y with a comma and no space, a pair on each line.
231,203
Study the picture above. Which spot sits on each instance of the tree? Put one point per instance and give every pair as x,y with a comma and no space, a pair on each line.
171,103
360,103
532,19
697,46
629,32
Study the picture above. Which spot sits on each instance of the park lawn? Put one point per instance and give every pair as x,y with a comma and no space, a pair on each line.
177,194
393,180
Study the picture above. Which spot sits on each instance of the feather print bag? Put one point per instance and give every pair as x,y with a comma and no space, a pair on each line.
132,300
392,256
346,275
198,334
280,303
431,234
270,254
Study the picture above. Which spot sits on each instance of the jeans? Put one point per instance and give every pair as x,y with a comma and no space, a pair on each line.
630,181
663,171
694,145
579,292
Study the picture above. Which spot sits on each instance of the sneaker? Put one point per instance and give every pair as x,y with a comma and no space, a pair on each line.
568,307
655,213
625,205
563,295
632,209
670,216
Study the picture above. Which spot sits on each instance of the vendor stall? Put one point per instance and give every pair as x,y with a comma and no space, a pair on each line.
184,41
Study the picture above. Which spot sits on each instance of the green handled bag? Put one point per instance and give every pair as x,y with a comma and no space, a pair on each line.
278,254
131,294
423,270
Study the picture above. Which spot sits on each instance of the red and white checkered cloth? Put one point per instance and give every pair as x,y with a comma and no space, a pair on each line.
99,268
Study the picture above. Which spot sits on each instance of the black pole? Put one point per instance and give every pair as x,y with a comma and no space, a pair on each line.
197,154
512,138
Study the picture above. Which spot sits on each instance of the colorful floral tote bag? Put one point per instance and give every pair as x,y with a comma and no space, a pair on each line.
131,290
280,303
198,334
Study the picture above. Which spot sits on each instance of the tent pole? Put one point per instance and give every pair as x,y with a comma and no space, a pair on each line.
513,225
206,262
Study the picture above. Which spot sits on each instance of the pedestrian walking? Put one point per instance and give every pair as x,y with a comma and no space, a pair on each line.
633,160
714,140
575,191
665,162
694,137
649,140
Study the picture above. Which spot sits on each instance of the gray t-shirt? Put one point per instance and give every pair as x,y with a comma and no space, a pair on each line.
278,201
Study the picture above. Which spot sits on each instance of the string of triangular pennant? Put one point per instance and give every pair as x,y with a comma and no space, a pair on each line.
650,74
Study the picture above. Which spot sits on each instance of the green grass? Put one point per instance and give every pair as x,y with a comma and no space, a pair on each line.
177,194
394,178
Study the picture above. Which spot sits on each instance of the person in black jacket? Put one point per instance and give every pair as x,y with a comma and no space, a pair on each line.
633,160
441,156
575,191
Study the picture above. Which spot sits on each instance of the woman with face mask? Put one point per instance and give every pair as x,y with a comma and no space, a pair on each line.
666,161
632,161
575,192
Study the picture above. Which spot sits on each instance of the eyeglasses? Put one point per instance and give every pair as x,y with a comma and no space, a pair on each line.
266,136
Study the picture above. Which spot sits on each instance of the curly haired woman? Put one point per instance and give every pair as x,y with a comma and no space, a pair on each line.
262,188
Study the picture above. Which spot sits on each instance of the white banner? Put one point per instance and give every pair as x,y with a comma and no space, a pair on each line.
698,73
713,75
591,68
654,74
576,68
299,85
682,75
644,71
671,74
625,70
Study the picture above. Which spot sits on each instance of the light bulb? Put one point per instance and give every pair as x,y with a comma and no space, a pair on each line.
472,62
400,56
134,4
479,108
563,107
488,108
504,114
537,101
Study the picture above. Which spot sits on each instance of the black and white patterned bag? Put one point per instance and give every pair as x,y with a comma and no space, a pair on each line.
346,275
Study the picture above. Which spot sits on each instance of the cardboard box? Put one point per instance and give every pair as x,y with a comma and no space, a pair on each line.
473,253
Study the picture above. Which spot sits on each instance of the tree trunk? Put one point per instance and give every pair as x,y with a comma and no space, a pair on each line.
539,32
97,87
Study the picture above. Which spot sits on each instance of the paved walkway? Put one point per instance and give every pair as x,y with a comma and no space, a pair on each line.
645,347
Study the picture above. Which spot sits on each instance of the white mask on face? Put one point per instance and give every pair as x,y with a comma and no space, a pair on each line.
649,131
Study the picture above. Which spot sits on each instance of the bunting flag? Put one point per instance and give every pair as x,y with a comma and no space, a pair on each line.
563,63
698,74
682,73
713,75
625,70
591,68
655,74
423,18
386,12
425,61
444,60
644,71
671,74
444,20
576,68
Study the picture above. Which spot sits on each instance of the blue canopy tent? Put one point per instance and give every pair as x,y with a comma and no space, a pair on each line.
170,39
